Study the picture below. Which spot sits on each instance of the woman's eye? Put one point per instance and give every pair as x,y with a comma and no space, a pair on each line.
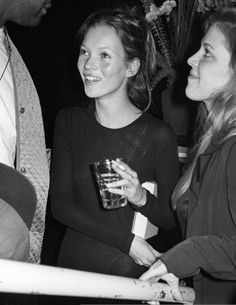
207,53
105,55
82,52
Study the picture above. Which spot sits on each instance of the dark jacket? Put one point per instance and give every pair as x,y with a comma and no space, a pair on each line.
207,213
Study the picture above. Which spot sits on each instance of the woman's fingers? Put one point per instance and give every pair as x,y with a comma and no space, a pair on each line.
156,270
159,271
173,281
123,169
118,191
117,183
156,253
151,273
129,177
128,185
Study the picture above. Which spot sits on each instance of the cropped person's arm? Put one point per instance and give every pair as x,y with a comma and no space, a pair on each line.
215,255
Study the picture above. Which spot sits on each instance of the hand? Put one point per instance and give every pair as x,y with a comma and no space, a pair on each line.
143,253
129,185
159,271
156,270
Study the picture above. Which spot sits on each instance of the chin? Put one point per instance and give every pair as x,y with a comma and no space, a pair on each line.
188,92
90,94
192,94
33,22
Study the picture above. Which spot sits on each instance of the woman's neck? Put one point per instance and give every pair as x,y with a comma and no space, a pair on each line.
116,115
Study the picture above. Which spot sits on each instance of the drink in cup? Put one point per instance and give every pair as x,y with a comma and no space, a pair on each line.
105,174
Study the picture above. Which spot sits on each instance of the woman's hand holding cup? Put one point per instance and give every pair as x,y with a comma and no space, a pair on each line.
129,185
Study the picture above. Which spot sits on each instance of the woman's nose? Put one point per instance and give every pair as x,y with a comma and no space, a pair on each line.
193,60
91,63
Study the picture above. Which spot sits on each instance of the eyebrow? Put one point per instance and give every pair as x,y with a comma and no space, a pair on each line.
106,48
102,47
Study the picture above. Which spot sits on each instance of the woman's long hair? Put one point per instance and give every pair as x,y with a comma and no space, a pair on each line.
219,123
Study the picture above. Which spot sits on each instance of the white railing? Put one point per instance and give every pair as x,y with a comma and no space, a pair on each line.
19,277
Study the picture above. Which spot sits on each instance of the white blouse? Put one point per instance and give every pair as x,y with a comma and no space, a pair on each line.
7,107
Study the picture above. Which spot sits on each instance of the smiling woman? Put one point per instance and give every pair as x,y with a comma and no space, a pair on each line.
102,64
117,63
210,68
205,197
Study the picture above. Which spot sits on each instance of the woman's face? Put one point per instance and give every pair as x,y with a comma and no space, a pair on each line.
210,67
101,63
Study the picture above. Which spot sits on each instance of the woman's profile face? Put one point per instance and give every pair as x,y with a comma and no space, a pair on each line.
102,63
210,67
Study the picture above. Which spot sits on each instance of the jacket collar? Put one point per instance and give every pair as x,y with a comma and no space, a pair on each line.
213,146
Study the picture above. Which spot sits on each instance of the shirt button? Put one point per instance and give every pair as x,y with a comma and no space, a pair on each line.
23,170
22,109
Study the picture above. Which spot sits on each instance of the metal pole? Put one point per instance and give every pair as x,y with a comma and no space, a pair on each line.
19,277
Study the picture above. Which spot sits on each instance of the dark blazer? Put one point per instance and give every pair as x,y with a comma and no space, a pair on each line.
207,213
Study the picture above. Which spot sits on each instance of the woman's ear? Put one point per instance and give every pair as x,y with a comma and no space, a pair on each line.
133,67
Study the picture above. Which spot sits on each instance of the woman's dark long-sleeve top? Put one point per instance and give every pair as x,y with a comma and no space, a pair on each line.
148,146
208,216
